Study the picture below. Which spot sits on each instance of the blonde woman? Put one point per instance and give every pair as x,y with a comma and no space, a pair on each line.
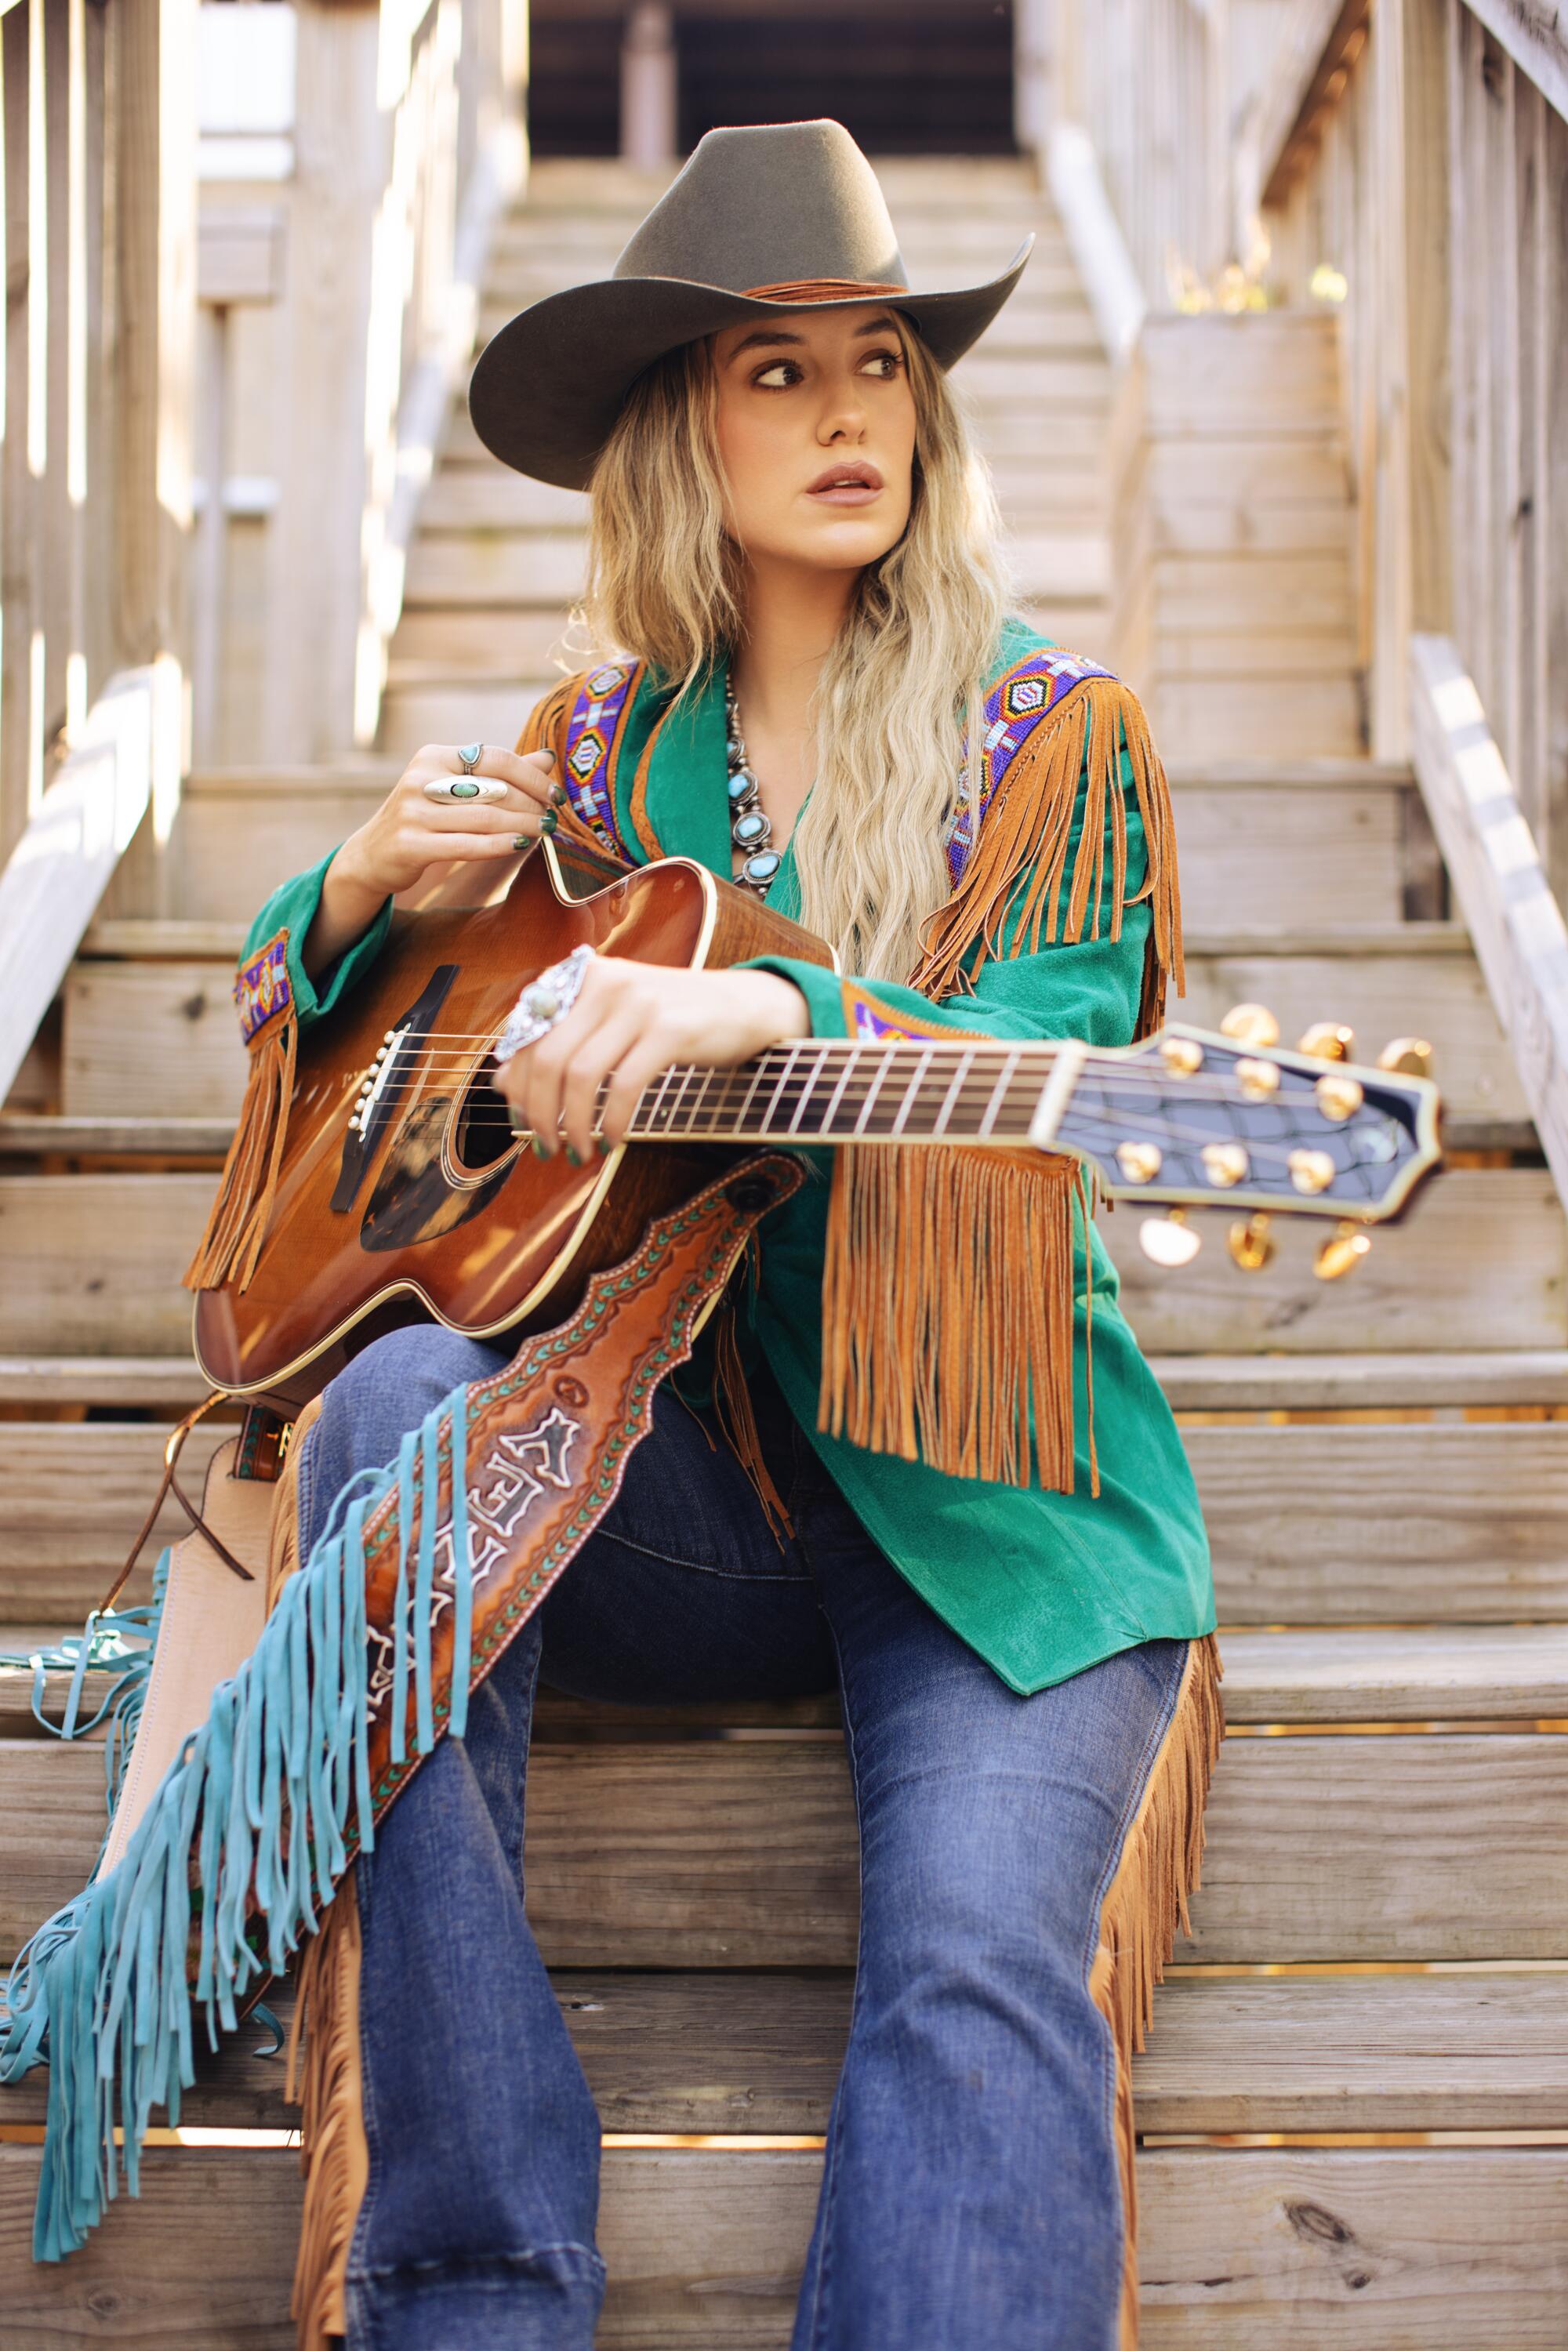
809,677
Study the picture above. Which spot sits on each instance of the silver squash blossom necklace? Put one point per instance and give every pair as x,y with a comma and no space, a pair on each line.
750,829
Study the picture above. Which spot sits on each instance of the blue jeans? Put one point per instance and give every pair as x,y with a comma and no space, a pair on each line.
971,2198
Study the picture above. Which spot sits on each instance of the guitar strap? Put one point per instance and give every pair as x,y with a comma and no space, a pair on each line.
427,1569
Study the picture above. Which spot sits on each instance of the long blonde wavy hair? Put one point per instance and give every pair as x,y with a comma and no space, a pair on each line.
665,581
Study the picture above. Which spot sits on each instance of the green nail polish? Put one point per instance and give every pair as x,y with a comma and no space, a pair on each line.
521,841
605,1146
571,1154
548,821
558,794
537,1146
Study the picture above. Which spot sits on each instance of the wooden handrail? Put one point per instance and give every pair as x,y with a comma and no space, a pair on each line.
125,760
1498,879
1094,235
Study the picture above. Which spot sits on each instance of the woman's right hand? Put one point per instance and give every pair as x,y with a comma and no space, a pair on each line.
410,833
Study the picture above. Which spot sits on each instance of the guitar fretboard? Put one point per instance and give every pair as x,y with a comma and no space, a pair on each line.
829,1090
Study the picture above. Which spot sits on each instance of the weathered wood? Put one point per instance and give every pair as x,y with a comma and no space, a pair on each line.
24,1136
1383,981
736,1854
1481,1261
1317,2249
1500,883
1536,37
1333,1526
94,1264
760,2053
71,845
1379,1383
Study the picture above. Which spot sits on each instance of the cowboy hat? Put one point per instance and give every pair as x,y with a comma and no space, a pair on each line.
777,216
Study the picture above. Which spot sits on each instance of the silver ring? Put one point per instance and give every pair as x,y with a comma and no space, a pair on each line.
469,756
543,1004
465,787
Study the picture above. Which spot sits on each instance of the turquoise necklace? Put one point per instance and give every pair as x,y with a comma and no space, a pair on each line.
751,827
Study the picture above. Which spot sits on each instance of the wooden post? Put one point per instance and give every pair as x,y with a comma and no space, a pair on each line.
649,105
315,565
153,65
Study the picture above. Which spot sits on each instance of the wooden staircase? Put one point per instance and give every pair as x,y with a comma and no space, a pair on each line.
1355,2106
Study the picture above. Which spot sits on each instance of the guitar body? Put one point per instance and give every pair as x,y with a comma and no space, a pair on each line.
438,1210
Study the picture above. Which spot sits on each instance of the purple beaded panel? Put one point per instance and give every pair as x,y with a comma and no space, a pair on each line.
603,701
1015,706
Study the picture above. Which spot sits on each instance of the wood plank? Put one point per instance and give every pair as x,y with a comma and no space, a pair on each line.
1500,883
1435,1673
1338,1526
1414,2248
163,1382
94,1264
1383,981
73,1494
27,1136
760,2053
70,847
1346,1525
1480,1259
732,1853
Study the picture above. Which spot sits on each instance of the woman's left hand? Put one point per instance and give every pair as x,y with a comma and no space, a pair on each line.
630,1022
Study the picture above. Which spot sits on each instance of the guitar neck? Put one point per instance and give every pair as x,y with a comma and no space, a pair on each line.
830,1090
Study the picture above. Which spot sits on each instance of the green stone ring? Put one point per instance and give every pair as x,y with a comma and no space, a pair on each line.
469,756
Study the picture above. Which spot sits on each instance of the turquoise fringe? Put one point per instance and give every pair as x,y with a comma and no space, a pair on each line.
120,1641
263,1800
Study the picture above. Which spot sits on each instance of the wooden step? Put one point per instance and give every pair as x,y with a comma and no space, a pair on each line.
1195,1385
1256,2249
1376,1525
1512,1673
494,567
1384,980
35,1135
1470,2049
94,1264
1320,1846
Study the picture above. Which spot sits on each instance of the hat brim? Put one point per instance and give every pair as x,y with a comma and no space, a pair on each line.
549,387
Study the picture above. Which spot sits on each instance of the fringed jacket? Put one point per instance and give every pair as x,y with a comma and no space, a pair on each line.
944,1324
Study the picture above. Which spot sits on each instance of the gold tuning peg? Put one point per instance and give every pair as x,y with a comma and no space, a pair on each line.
1250,1241
1411,1056
1170,1240
1342,1252
1251,1024
1328,1040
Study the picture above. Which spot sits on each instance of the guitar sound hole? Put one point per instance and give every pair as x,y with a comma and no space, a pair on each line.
483,1134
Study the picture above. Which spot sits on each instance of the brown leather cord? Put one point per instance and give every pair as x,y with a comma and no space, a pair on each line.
824,289
170,1484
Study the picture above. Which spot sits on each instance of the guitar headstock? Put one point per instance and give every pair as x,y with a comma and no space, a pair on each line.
1194,1118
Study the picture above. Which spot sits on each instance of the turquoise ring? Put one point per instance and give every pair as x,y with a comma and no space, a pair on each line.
442,788
469,756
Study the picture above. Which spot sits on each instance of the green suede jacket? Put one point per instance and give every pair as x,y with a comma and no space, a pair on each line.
1041,1583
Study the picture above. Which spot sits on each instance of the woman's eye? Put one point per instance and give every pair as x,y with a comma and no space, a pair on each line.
885,363
777,377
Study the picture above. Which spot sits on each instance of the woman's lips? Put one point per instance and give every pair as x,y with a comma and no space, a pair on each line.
847,485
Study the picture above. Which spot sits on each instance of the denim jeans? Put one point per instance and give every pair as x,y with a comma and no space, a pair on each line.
970,2198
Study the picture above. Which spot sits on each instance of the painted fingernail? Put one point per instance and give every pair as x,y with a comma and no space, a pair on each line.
538,1147
548,821
571,1154
558,794
521,841
605,1146
545,755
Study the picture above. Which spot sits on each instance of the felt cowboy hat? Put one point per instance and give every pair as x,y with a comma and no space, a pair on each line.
778,216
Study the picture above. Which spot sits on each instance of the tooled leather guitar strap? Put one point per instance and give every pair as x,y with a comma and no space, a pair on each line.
425,1572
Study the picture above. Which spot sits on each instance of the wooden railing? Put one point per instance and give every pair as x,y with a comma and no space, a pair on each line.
404,137
1421,184
94,462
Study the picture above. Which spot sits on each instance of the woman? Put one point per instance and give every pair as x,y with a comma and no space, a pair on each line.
794,580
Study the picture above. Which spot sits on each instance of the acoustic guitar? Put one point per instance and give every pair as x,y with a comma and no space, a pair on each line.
404,1193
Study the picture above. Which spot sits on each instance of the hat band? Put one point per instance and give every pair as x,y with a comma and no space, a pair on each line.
821,290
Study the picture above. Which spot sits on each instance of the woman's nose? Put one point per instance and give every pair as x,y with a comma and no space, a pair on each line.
843,413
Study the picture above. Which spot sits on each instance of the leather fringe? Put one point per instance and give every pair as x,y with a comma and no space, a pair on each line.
737,1419
927,1350
1160,1868
330,2088
231,1244
1015,881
